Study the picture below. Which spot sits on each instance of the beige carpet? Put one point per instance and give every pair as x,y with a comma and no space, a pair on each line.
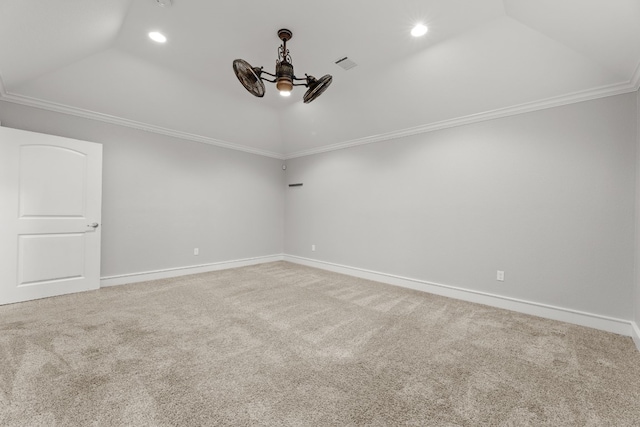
281,344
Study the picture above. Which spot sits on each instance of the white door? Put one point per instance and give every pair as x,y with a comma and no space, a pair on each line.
50,203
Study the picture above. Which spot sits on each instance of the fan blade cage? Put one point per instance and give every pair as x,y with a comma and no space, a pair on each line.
249,77
317,87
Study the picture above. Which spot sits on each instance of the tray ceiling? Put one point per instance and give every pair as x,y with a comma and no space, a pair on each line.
480,59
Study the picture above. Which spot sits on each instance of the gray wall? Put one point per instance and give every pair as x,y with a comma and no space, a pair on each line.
548,197
162,196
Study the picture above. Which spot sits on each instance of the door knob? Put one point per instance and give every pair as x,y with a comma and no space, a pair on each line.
94,225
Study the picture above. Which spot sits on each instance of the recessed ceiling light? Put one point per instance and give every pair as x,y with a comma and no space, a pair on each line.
419,30
157,37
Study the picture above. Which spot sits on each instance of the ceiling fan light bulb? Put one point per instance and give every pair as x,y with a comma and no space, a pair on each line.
285,93
283,84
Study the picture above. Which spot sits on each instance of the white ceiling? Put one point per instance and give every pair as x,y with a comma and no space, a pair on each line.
480,59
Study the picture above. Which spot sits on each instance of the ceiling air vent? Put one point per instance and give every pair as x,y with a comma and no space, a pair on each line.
345,63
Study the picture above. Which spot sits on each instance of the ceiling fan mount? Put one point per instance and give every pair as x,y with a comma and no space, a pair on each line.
284,34
252,78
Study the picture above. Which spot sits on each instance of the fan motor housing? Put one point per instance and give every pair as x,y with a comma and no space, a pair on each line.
284,76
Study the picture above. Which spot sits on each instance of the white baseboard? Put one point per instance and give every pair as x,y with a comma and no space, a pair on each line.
635,334
609,324
123,279
604,323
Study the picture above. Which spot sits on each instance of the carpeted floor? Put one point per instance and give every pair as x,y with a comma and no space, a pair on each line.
281,344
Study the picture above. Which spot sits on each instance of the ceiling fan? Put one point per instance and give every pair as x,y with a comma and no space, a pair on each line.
253,80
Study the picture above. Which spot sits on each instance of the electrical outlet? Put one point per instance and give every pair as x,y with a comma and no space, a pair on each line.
196,251
313,248
500,276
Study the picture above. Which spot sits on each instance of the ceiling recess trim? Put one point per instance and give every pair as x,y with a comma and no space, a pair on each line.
633,85
602,92
88,114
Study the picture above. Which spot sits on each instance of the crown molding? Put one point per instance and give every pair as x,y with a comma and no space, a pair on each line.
587,95
88,114
633,85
